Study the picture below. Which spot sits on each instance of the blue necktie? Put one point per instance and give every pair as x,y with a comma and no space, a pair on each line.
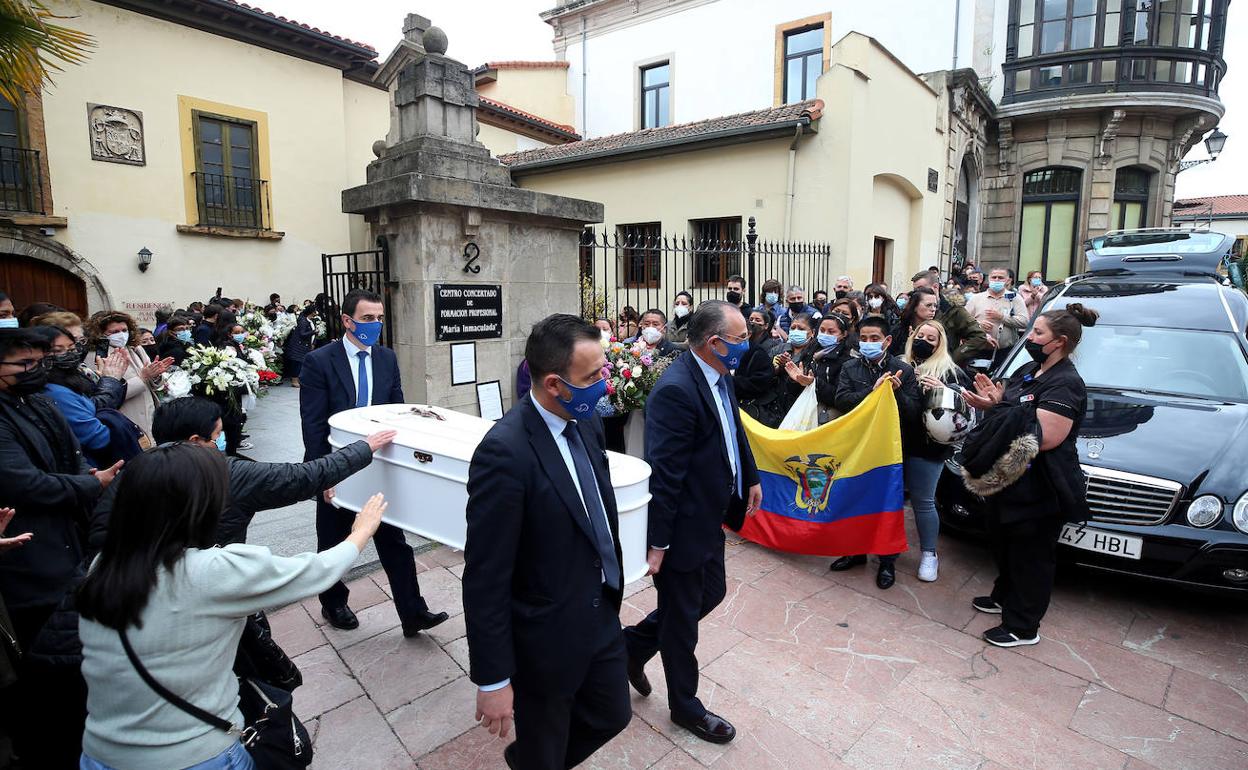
593,505
361,395
730,429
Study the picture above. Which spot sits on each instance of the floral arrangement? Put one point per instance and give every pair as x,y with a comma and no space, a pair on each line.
322,331
214,371
631,373
267,377
283,326
174,383
261,338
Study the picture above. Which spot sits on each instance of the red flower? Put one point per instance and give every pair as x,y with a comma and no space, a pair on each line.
627,373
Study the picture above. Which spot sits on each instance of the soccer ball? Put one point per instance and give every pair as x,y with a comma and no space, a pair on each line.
947,417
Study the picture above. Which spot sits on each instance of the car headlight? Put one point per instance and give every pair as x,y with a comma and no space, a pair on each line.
1204,511
1240,514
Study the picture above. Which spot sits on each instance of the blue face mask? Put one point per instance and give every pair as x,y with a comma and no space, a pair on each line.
772,298
1037,281
221,441
871,350
367,332
184,335
968,295
583,400
996,286
240,338
736,351
901,302
828,340
8,323
798,337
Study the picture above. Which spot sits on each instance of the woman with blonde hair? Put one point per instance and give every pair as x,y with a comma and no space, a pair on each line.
927,350
110,330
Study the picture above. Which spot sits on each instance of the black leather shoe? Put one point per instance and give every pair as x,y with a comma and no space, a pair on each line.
423,620
637,677
509,756
845,562
711,727
341,617
886,576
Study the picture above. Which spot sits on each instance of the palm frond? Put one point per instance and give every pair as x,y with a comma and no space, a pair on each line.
32,47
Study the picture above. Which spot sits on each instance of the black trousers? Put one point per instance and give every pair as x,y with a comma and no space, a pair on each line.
554,732
45,711
397,559
1026,555
671,630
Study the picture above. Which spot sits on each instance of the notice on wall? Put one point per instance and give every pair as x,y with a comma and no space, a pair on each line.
490,400
463,363
467,311
144,313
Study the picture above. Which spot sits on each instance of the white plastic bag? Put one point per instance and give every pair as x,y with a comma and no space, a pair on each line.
804,414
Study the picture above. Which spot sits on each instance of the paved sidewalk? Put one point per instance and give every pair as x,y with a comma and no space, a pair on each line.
821,670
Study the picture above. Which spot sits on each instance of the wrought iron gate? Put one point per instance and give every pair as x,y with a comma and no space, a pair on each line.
344,272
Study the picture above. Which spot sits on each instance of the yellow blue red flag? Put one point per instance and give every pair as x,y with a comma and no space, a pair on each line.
836,490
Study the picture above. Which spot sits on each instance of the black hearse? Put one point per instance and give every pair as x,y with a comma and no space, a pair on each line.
1165,439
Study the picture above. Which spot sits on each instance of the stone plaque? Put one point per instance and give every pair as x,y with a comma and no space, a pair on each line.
467,311
116,134
933,180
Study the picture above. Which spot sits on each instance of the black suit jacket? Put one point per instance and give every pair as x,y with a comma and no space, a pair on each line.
329,388
532,575
691,486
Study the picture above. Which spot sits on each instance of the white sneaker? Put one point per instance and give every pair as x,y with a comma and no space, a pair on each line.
929,565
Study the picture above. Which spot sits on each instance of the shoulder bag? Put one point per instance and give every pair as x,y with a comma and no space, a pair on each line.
272,734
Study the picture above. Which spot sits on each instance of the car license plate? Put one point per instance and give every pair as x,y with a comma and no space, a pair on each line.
1100,541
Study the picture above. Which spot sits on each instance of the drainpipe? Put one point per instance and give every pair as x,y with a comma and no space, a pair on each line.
788,195
957,18
584,78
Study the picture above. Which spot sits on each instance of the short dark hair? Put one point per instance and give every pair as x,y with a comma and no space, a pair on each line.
656,311
925,276
190,482
824,292
355,297
21,339
181,418
805,318
876,321
838,319
709,320
213,310
552,340
274,297
736,279
3,296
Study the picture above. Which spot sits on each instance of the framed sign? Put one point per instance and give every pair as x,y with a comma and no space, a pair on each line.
463,363
490,399
467,311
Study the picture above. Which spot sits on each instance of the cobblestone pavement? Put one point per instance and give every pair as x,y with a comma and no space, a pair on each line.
817,670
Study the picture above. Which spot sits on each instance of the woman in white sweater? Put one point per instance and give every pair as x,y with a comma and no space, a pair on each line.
182,604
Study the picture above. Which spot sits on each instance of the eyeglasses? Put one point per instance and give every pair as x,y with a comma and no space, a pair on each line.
27,364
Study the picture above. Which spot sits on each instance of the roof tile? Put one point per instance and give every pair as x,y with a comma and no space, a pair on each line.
309,28
516,111
638,140
1223,206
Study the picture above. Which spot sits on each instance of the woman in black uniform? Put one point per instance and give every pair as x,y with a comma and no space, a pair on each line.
1026,518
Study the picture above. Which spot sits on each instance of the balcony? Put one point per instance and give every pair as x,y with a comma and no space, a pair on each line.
1113,70
231,202
21,181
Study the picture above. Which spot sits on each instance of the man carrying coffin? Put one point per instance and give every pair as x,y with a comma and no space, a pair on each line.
542,575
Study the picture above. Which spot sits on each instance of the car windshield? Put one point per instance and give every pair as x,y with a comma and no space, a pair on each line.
1159,243
1199,364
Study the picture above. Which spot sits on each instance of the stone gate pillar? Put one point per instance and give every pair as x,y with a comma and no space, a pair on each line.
455,221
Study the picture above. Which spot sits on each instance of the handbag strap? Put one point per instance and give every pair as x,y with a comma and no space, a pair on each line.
190,708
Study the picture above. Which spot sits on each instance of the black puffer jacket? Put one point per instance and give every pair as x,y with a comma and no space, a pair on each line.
109,393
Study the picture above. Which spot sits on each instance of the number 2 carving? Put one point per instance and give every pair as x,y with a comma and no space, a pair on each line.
471,254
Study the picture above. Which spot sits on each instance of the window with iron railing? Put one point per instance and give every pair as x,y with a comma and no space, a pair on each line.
227,190
21,176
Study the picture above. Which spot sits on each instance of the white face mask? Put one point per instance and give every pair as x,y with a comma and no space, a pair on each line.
680,311
875,303
651,335
118,339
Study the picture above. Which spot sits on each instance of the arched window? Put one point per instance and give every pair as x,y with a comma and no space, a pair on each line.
1050,222
1130,199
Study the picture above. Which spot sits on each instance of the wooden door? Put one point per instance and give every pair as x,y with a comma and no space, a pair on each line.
879,260
28,280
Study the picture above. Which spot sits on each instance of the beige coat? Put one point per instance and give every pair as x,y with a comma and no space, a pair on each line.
140,404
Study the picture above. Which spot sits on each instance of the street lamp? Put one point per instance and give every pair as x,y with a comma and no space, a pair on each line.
145,259
1213,145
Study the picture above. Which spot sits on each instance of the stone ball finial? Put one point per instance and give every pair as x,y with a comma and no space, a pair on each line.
434,40
379,147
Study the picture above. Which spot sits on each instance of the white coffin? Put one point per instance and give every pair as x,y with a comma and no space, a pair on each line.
424,475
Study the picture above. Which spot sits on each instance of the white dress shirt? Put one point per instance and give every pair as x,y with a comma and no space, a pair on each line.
353,362
725,421
557,424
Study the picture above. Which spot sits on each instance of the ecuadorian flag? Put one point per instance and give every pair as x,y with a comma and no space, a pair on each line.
833,491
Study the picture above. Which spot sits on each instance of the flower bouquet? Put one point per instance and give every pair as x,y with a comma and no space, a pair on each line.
283,326
322,331
174,383
631,373
220,372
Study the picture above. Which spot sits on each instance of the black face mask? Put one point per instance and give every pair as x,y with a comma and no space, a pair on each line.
150,350
841,293
1036,351
30,382
734,297
922,349
797,307
69,360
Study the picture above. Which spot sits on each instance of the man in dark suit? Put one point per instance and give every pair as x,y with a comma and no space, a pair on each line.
354,372
702,475
542,575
